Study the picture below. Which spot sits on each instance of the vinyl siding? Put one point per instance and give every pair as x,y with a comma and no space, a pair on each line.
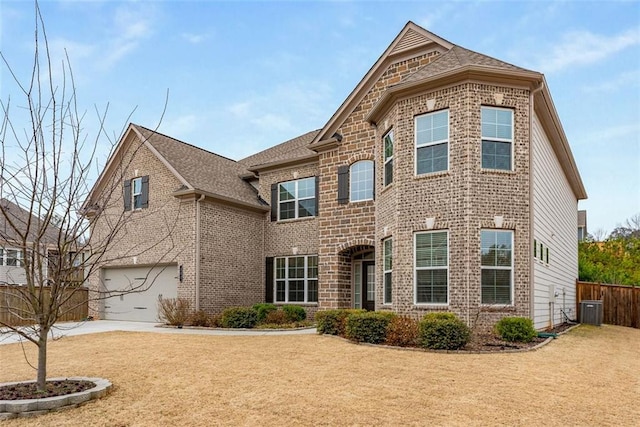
554,225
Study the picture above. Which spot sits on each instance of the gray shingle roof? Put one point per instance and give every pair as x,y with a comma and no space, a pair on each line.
202,169
458,57
20,217
289,150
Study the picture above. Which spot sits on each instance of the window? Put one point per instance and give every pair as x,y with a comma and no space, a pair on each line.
497,266
296,279
297,199
431,267
13,257
497,138
361,180
388,158
388,267
432,142
136,193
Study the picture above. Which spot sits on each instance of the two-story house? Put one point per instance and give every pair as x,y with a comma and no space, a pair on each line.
443,182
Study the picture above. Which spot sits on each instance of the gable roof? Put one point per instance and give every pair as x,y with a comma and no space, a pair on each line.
291,150
21,217
200,171
410,39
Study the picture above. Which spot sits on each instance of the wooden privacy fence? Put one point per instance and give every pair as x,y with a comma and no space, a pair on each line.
620,304
77,308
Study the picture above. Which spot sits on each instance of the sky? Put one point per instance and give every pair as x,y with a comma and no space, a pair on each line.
238,77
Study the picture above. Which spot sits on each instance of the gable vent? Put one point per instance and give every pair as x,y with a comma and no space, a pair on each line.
410,39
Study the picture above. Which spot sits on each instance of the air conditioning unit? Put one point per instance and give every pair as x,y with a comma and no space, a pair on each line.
591,312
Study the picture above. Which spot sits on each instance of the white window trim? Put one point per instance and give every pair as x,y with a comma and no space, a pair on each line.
134,194
488,267
415,271
511,140
427,144
373,184
387,159
286,280
385,271
296,199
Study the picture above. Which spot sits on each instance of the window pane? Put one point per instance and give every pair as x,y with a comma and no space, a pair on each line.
431,249
281,269
287,210
357,287
287,191
12,258
137,186
306,208
388,254
496,155
432,158
496,286
296,268
313,291
432,127
296,290
388,145
388,172
431,286
306,188
387,287
312,267
280,291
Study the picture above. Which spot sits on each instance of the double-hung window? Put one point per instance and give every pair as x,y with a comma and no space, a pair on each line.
431,267
297,199
361,181
388,158
432,142
497,266
14,257
388,269
497,138
296,279
136,185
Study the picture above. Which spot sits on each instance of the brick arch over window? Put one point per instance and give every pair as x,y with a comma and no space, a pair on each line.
356,245
359,156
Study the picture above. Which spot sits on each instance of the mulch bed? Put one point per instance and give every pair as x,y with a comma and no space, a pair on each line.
488,341
53,388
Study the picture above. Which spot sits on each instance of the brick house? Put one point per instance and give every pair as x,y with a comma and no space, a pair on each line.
443,182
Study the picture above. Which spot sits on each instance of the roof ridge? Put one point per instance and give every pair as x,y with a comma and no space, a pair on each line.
292,148
185,143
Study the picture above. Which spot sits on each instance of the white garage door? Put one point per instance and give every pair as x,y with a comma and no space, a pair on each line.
159,282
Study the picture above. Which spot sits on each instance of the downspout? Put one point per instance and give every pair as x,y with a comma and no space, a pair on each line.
197,305
531,229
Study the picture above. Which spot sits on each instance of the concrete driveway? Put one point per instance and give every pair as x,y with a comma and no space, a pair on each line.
97,326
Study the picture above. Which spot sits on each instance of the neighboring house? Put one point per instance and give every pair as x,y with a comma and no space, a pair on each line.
443,182
582,225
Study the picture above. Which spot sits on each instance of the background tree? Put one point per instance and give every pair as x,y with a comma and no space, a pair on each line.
46,167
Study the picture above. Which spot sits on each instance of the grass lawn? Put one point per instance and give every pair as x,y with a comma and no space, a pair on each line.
588,377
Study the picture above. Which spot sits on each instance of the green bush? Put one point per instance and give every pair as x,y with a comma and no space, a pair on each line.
262,309
516,329
332,322
402,332
174,311
440,315
370,327
442,332
239,317
294,313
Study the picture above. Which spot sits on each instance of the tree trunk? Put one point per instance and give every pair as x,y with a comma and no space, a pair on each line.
42,358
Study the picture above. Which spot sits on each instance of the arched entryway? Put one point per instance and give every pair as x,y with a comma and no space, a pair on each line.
360,261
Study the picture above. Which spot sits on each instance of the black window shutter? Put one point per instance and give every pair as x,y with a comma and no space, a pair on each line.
268,282
274,202
145,192
127,195
317,195
343,184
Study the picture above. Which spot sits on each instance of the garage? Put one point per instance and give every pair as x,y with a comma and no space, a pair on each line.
158,282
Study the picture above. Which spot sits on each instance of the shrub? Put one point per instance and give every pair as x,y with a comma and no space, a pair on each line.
174,311
277,317
443,332
402,332
516,329
332,322
262,309
239,317
370,327
440,315
200,318
294,313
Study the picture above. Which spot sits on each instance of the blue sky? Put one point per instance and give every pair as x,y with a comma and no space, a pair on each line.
243,76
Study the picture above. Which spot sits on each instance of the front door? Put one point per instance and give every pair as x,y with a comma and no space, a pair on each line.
369,286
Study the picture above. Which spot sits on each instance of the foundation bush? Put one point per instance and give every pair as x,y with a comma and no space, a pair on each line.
174,311
402,332
262,309
443,332
370,327
519,329
239,317
332,322
294,313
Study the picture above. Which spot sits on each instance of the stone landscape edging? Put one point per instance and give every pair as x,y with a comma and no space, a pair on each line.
33,407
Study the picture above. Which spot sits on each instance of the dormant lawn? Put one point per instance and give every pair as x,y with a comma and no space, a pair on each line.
588,377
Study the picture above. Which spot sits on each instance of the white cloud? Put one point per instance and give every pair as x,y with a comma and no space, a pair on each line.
628,79
181,125
131,26
240,109
194,38
583,48
274,122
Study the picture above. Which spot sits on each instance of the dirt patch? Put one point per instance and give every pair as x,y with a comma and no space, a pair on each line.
589,376
52,388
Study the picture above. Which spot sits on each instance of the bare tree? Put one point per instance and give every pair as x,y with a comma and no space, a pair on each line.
46,167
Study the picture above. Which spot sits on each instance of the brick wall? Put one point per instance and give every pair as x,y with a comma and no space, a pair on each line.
162,233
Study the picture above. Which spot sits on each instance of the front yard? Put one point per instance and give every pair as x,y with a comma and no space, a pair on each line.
590,376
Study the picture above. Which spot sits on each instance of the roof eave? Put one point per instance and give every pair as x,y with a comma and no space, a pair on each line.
467,72
220,198
324,145
310,158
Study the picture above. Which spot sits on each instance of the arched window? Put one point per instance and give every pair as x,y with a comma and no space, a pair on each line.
361,180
